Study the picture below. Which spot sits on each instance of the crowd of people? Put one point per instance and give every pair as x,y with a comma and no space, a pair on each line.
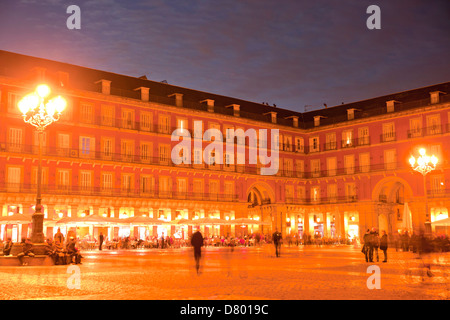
62,252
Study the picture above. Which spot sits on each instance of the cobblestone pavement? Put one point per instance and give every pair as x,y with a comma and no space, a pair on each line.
325,273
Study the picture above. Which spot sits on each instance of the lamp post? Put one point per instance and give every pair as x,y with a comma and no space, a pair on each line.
40,111
424,164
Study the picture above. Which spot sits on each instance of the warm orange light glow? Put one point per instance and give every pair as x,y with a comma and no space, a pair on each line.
43,90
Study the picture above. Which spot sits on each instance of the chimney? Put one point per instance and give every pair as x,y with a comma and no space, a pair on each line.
178,99
210,104
106,86
294,121
236,109
144,93
317,121
390,105
434,96
273,116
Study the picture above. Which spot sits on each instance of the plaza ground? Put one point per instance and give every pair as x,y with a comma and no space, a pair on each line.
245,273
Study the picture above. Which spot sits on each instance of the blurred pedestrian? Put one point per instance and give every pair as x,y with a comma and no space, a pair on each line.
375,243
100,241
384,245
368,248
197,243
276,238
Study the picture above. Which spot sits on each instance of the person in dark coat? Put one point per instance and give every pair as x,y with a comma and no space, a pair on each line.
197,243
7,247
384,244
276,238
100,241
27,247
368,248
73,252
59,236
375,243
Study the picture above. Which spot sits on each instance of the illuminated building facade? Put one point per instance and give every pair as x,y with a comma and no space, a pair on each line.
342,169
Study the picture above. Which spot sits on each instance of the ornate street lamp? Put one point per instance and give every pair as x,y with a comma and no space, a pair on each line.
40,111
424,164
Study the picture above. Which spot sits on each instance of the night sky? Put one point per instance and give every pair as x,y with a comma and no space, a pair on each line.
290,53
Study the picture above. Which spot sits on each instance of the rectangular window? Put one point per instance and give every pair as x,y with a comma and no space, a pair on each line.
228,189
437,184
63,177
415,128
107,181
299,145
347,138
15,142
289,193
433,124
388,132
127,182
85,180
164,153
314,144
198,191
146,121
163,123
181,187
363,136
14,178
147,184
87,147
107,148
165,186
287,143
288,167
390,159
364,162
86,113
350,191
330,141
63,141
127,150
301,194
13,100
146,151
349,164
128,119
332,192
315,168
214,188
107,117
300,168
331,166
315,194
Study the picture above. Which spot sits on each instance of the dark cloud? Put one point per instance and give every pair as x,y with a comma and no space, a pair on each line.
292,53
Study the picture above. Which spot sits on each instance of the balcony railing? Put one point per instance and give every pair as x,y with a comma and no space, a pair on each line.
115,192
147,159
322,200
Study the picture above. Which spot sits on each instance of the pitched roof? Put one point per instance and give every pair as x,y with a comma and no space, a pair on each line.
19,66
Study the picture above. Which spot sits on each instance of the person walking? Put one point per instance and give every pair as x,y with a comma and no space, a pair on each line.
276,238
375,243
368,248
100,241
384,245
197,243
